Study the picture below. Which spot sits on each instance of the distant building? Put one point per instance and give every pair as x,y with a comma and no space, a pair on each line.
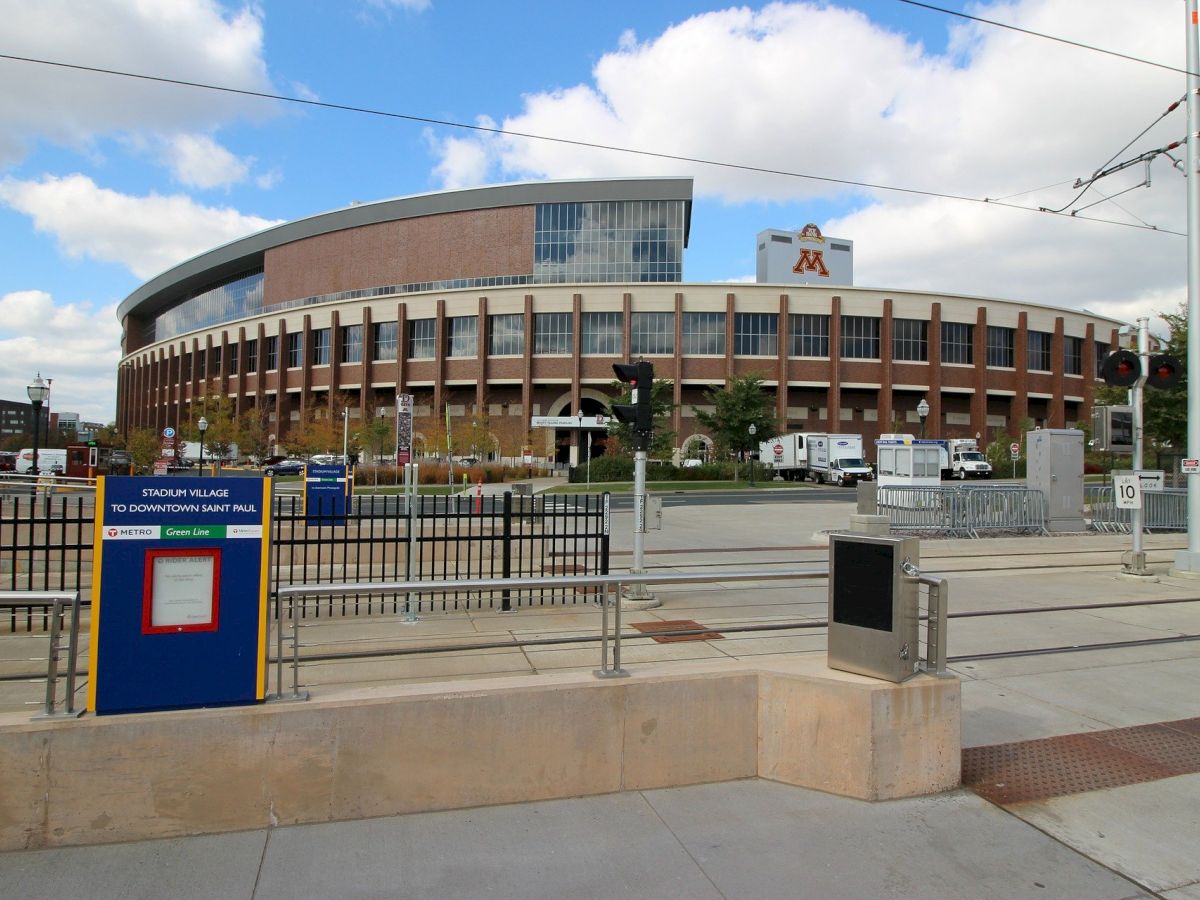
67,421
16,417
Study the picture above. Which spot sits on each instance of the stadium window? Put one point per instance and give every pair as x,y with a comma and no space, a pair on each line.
422,338
704,333
652,333
385,340
506,335
1039,351
462,336
352,336
910,340
755,334
602,333
320,346
552,332
1000,347
860,337
958,343
809,334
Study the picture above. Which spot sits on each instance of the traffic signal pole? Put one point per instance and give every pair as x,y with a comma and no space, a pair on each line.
640,418
1187,562
1135,563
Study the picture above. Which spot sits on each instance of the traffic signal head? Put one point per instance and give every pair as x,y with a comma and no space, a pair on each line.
1121,368
1164,372
640,415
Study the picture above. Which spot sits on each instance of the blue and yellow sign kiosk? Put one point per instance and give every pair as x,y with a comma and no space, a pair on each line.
179,605
327,492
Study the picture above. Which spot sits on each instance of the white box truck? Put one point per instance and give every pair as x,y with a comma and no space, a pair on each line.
964,460
837,458
785,456
50,461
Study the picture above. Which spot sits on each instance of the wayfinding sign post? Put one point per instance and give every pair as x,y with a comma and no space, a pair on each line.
179,606
327,491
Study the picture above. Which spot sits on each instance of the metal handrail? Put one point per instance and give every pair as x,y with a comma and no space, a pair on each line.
59,599
935,635
936,641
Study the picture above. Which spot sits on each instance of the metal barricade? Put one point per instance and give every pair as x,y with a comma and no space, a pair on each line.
964,510
1163,511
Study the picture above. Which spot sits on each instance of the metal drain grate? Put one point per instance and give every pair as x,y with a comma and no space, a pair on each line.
1074,763
677,625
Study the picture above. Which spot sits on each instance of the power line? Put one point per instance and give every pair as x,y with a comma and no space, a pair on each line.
1048,37
407,117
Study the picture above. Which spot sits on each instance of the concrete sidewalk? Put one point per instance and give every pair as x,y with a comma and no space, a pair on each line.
757,838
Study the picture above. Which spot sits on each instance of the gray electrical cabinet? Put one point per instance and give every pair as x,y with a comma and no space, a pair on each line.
1054,466
873,605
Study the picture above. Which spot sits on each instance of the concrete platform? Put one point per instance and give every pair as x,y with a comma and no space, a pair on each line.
753,837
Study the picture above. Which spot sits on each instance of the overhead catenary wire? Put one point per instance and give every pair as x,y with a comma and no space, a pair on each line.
1044,36
485,129
1101,170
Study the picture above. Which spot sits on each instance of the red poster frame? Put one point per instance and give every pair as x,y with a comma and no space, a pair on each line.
213,553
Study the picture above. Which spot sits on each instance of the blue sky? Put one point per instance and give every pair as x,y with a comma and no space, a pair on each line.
105,181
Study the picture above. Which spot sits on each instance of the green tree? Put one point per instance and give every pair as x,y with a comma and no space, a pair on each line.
316,432
222,431
376,437
143,446
662,402
254,432
737,406
108,436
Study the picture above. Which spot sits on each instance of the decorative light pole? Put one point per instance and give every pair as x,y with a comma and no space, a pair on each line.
750,452
202,425
923,414
37,391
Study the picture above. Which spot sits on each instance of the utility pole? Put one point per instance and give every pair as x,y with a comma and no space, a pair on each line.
1188,561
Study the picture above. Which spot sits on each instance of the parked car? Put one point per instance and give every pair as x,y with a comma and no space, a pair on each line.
327,459
8,462
285,467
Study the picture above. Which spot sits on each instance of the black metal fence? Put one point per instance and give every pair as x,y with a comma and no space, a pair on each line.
45,545
453,537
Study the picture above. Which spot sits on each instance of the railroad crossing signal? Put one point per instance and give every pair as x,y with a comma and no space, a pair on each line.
639,415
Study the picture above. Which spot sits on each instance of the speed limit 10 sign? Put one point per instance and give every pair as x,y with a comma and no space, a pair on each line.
1128,490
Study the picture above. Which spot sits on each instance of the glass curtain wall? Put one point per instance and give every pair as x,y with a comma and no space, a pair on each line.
612,241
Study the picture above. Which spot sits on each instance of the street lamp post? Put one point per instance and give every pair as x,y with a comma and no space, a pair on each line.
923,414
750,452
203,426
37,391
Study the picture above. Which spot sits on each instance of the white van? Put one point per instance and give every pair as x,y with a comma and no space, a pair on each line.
49,461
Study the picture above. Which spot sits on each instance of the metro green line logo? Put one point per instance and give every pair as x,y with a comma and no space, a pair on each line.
193,531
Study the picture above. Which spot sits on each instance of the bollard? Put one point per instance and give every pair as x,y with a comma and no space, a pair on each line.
479,497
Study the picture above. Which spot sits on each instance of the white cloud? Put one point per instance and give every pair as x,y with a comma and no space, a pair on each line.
76,345
464,160
144,234
191,40
819,89
406,5
199,161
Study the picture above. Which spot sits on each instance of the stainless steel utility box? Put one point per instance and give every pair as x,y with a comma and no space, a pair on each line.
1054,466
873,605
